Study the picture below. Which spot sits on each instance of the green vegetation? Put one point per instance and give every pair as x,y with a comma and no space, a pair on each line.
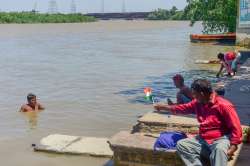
216,15
32,17
163,14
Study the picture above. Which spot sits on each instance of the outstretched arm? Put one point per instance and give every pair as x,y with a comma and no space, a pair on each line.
188,108
219,72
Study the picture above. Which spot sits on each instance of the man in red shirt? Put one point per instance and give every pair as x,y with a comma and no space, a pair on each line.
220,129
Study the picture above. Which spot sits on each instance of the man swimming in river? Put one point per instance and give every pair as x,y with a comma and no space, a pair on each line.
184,95
32,104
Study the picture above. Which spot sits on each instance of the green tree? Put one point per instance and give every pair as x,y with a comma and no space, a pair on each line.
173,10
159,14
216,15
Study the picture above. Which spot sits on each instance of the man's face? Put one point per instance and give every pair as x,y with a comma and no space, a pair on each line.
177,83
32,101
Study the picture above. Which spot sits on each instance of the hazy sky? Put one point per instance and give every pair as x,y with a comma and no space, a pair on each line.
91,5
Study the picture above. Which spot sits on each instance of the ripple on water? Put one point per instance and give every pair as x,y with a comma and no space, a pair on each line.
163,86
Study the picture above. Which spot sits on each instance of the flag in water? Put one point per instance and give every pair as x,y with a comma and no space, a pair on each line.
148,94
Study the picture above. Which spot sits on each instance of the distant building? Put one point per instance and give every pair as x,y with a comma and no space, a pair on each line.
243,23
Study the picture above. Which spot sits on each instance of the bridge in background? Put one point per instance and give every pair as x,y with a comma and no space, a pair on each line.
125,16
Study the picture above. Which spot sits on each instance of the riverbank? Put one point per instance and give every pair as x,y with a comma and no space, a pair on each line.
33,17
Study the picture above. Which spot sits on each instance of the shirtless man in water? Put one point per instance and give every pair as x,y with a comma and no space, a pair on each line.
184,95
32,104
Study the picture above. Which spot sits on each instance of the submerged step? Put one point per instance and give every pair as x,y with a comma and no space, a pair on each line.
65,144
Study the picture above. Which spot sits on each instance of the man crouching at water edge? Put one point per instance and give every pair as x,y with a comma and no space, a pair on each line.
220,129
32,104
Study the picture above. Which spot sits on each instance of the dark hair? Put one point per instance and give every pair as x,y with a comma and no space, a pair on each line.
30,96
179,78
202,85
220,56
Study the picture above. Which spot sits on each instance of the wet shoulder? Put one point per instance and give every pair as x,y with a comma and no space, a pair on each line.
25,108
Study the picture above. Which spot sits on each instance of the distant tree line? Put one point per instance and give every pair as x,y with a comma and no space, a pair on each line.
172,14
33,17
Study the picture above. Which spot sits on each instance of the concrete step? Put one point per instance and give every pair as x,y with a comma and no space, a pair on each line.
137,150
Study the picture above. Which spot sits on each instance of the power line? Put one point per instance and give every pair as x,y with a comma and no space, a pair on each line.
73,7
53,7
123,6
35,7
103,7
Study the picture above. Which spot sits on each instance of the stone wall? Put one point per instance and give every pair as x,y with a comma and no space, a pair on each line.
158,128
131,157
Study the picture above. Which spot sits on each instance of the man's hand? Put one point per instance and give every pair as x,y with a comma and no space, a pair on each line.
170,102
231,150
218,75
159,107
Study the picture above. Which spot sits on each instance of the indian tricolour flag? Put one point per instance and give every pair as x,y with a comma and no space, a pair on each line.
148,94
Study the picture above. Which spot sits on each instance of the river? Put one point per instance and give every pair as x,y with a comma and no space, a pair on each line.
90,77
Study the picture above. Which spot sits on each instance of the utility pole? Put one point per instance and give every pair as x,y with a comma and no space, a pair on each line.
73,7
52,7
103,7
34,10
123,6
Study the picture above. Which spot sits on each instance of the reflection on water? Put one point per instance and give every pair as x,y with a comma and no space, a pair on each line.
32,118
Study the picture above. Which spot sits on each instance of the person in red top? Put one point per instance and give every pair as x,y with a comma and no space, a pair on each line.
230,61
184,95
220,129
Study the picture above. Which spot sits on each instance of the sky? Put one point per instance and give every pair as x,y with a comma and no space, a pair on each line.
90,6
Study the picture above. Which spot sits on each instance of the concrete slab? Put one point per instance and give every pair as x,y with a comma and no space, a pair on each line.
154,117
137,150
58,142
65,144
155,123
92,146
137,140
